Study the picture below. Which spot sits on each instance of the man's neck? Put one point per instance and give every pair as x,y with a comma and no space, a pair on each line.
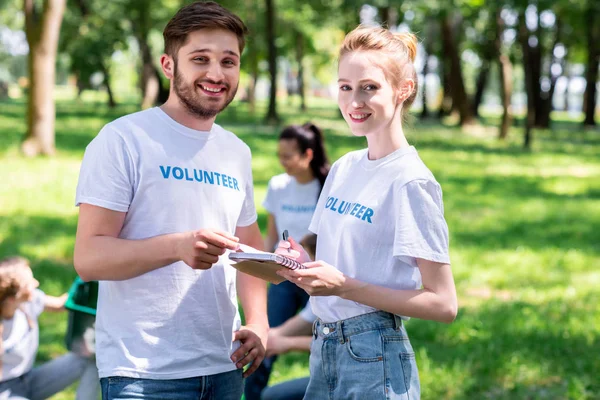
174,110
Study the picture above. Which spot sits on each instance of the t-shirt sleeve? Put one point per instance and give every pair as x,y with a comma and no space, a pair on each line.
106,177
37,302
307,314
421,230
269,201
248,214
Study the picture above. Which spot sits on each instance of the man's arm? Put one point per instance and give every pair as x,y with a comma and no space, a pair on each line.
101,255
253,297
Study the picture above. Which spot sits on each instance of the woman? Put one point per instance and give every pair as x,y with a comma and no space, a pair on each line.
290,201
382,241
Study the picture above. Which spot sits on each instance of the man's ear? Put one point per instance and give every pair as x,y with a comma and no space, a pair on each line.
168,65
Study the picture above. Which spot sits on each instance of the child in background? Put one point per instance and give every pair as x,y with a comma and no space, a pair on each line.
290,201
21,303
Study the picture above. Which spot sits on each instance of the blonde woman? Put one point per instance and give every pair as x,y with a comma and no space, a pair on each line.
382,241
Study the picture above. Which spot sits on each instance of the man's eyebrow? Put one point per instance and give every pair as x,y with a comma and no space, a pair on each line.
230,52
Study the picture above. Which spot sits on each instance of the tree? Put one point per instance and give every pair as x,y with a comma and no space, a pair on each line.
593,61
505,75
272,54
42,30
456,84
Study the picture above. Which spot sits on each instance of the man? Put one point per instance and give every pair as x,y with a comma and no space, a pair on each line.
163,195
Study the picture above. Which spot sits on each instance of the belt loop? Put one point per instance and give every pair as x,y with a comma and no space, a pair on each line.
397,322
340,330
314,328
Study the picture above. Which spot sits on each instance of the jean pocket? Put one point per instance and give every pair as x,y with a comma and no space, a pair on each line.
402,376
366,346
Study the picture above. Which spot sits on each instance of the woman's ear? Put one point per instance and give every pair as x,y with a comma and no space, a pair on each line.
309,154
406,90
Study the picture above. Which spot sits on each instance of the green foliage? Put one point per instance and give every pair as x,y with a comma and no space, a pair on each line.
523,243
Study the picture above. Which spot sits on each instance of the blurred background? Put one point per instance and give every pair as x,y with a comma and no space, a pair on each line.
506,118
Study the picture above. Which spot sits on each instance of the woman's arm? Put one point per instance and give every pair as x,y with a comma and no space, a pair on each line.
435,301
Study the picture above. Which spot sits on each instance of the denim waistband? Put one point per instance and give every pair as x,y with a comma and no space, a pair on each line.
352,326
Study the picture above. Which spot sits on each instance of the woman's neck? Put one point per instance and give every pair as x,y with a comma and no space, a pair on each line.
304,177
386,141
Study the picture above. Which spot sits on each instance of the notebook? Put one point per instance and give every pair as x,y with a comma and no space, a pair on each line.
261,264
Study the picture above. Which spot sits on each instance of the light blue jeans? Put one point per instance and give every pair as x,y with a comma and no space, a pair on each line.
365,357
224,386
54,376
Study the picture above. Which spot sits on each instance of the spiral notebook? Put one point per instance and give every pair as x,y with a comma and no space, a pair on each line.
261,264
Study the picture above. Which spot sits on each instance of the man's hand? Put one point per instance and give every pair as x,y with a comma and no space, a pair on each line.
201,249
253,339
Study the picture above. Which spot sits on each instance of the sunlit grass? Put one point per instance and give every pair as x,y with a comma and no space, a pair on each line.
524,243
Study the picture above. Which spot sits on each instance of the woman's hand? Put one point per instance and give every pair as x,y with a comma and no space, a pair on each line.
319,279
290,248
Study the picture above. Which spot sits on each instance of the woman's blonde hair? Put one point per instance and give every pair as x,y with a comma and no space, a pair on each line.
10,276
400,50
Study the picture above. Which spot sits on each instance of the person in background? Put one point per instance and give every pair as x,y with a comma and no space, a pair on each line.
290,202
21,303
294,335
382,239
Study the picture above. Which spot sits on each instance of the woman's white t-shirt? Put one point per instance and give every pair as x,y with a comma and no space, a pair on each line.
373,220
292,204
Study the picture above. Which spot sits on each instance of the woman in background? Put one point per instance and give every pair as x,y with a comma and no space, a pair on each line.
290,201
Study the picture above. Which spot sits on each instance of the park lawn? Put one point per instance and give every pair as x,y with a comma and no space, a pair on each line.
524,245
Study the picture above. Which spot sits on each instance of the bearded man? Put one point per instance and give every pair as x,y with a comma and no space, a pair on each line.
163,195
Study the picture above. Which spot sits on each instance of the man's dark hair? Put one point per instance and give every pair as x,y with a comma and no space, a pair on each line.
201,15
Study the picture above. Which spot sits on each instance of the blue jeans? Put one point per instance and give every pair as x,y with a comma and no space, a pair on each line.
224,386
289,390
365,357
283,302
53,377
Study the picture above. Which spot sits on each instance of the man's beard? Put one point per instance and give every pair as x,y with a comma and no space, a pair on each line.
194,104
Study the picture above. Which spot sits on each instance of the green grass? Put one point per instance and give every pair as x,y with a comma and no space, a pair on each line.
524,244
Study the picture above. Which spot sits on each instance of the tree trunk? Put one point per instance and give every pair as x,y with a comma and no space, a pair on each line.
300,60
480,85
505,72
546,105
111,98
42,33
593,62
272,51
425,72
150,81
529,81
566,93
457,84
388,16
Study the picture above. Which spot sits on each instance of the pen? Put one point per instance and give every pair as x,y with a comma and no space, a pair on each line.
285,235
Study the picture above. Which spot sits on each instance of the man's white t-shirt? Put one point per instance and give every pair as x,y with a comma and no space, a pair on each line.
373,220
173,322
20,338
292,204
